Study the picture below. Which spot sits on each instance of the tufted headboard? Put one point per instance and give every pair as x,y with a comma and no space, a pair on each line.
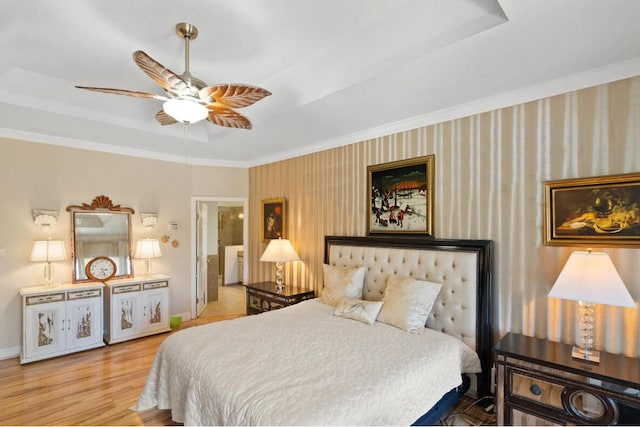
463,307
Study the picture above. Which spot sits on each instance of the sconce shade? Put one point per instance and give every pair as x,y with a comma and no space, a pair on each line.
48,251
149,220
591,277
279,250
147,249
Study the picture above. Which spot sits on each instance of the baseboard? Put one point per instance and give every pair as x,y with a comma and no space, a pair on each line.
185,316
8,353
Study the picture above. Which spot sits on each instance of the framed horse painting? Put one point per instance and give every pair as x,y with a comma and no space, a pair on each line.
401,196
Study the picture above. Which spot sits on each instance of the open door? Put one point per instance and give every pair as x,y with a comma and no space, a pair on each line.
201,257
205,241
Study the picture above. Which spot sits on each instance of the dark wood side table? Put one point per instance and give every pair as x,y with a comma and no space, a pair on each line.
264,296
538,383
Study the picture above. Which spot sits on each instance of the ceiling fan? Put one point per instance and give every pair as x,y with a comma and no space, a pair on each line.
188,99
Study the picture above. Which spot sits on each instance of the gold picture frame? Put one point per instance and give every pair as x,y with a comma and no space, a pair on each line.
400,199
594,211
274,218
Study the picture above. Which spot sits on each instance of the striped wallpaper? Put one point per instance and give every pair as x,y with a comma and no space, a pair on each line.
489,174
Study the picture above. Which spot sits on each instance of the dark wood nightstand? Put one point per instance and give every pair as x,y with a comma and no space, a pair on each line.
538,383
264,296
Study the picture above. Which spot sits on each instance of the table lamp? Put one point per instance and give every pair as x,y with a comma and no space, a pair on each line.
148,249
48,251
590,278
279,251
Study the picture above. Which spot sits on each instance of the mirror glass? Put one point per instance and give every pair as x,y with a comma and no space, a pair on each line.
101,232
587,405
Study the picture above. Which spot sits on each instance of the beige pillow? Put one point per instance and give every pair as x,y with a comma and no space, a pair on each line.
357,309
342,282
407,302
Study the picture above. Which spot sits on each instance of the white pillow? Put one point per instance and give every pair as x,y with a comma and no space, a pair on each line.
357,309
407,302
342,282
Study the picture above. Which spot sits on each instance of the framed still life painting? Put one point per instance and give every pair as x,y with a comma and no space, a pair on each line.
595,211
401,197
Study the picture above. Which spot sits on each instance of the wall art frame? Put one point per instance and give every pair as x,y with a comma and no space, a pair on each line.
274,218
400,196
593,211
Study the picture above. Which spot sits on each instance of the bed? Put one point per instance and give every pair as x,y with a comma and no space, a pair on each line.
309,365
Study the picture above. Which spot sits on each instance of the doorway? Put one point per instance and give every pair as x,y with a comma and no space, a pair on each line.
220,236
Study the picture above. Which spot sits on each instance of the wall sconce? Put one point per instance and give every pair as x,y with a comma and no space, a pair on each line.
44,219
48,251
148,249
149,220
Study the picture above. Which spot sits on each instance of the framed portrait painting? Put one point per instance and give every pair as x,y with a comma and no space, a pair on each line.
400,199
595,211
273,218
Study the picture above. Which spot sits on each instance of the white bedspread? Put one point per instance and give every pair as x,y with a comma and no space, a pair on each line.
303,366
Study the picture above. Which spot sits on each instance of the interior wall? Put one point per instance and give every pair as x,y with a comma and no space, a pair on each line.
489,174
40,176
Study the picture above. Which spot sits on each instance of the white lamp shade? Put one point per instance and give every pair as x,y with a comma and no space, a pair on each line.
279,250
591,277
147,249
185,111
48,251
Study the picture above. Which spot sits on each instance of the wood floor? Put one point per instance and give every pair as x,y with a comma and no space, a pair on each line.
95,387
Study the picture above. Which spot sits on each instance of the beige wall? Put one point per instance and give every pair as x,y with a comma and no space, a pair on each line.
490,170
39,176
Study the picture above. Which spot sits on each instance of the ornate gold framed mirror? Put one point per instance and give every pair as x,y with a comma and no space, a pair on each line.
100,229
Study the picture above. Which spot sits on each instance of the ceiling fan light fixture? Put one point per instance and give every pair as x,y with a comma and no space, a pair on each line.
185,111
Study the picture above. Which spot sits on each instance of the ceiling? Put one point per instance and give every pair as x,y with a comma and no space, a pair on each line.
340,71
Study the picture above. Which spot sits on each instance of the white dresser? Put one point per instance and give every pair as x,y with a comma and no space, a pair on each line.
60,320
136,307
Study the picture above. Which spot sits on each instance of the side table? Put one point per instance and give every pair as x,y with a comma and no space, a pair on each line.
264,296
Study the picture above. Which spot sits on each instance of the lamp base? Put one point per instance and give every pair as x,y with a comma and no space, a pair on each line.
279,276
588,355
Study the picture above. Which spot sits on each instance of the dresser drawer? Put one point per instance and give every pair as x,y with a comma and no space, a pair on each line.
535,389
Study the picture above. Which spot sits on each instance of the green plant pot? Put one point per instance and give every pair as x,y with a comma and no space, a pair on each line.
174,321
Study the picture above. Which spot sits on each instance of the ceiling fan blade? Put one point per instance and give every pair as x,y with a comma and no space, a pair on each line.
123,92
165,119
170,81
234,95
225,116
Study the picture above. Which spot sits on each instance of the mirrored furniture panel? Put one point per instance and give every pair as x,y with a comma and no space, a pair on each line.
539,383
100,229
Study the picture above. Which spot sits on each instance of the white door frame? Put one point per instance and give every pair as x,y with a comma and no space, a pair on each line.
194,231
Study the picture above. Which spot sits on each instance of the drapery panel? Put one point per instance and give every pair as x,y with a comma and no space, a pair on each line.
490,170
